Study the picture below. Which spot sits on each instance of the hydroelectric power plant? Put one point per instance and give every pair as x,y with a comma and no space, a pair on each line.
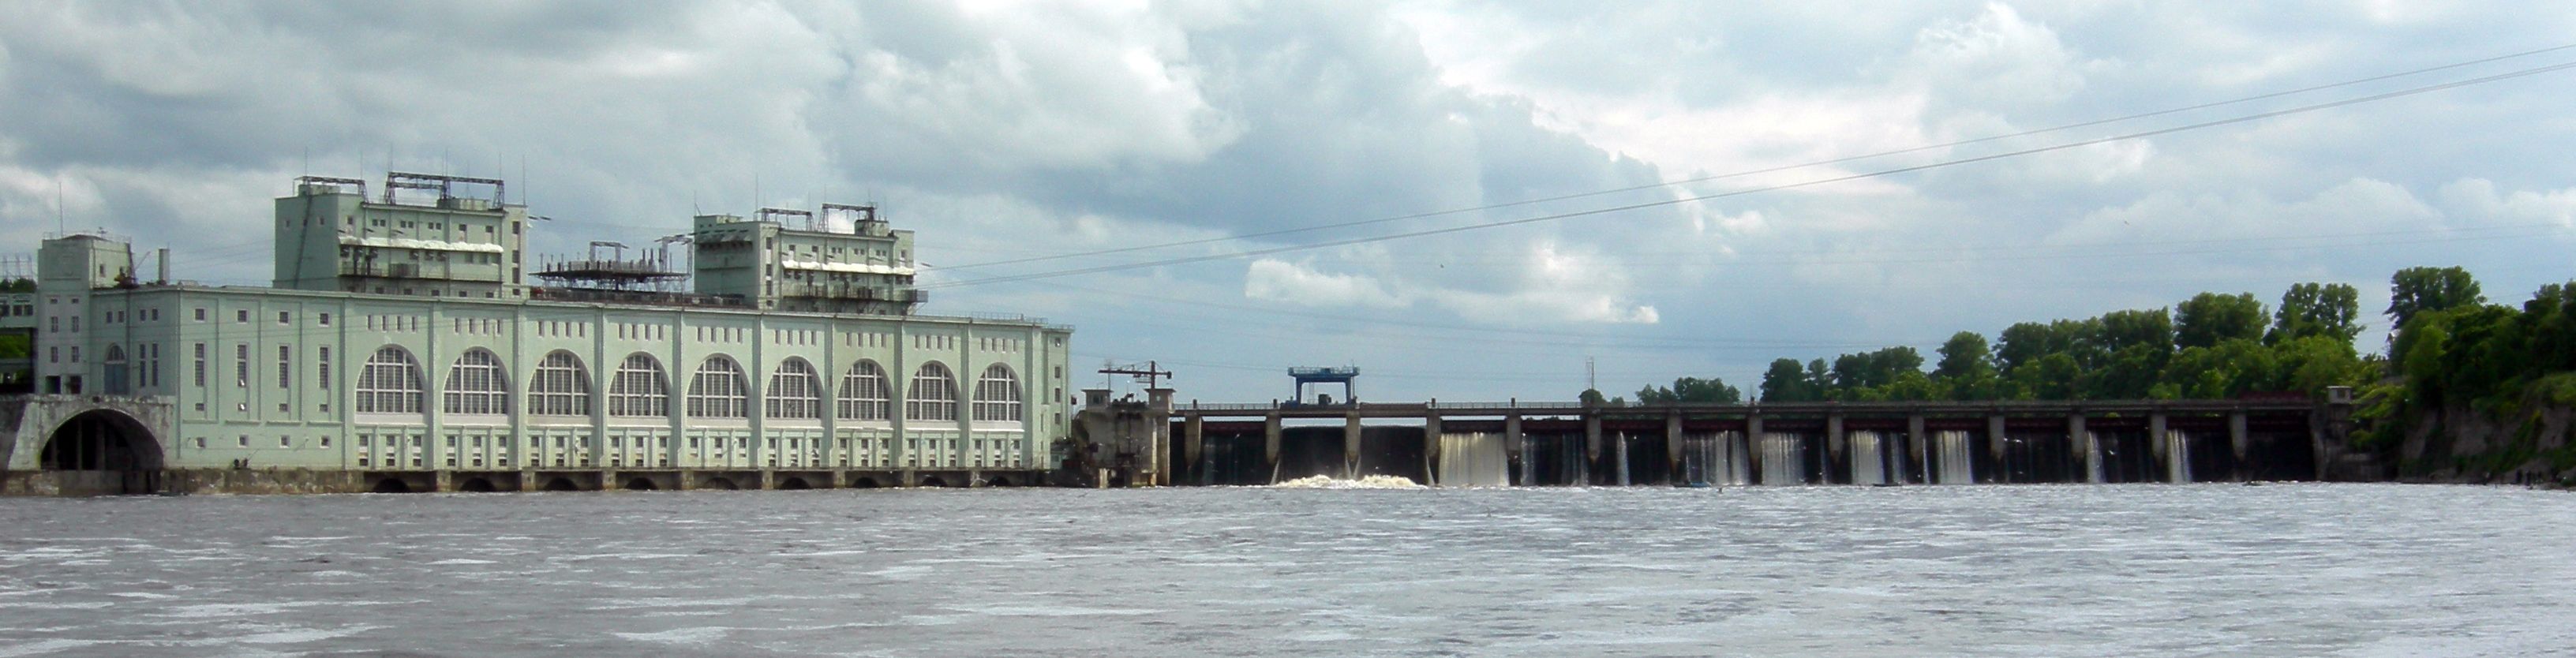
402,348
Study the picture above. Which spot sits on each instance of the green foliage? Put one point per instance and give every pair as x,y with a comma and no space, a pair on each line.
1691,389
2416,290
1962,356
18,284
2150,329
16,345
1874,369
2377,417
2312,309
2208,319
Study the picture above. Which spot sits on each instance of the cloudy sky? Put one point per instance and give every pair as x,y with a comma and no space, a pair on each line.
1219,185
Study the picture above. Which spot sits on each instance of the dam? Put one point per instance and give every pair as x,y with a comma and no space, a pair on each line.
1523,443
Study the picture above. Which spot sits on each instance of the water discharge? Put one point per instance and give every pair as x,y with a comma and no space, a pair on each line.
2147,570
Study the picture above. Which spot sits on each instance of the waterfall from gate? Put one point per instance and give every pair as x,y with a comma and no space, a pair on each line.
2177,456
1868,461
1952,458
1731,468
1474,459
1784,459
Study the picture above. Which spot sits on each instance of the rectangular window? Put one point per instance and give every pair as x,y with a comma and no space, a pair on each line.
322,370
285,365
284,442
325,319
242,316
200,368
244,441
241,365
283,316
201,314
75,354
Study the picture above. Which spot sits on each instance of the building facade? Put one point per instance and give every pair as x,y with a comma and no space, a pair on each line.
401,344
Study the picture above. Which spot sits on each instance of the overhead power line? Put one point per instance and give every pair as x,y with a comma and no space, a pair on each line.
1757,190
1768,170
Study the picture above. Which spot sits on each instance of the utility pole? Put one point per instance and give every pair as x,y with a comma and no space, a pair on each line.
1591,375
1151,372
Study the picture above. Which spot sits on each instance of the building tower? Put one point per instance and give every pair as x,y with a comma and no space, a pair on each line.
330,236
767,264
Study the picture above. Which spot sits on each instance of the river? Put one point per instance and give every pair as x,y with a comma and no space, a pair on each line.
2034,570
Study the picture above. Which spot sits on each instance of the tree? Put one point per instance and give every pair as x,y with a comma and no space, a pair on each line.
2332,310
2417,290
2152,329
1785,382
1874,369
2309,364
1691,389
1962,356
2208,319
2551,314
2215,372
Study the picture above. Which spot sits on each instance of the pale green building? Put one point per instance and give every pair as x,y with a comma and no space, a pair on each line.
402,348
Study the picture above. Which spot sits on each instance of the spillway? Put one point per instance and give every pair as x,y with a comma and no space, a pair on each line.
1474,459
1953,456
1784,458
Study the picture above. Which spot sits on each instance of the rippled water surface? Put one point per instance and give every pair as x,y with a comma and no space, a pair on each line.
2143,570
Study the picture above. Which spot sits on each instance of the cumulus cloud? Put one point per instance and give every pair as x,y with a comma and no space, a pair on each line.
1006,133
1295,283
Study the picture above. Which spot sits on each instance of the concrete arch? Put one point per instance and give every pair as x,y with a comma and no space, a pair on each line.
477,485
794,483
864,483
101,440
933,482
997,481
721,483
390,485
560,483
640,483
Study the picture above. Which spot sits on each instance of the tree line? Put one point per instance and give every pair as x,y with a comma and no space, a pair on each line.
2449,344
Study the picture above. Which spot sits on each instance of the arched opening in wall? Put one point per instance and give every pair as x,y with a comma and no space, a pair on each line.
640,484
1118,479
110,443
390,485
864,483
477,485
724,484
794,483
560,483
933,481
997,481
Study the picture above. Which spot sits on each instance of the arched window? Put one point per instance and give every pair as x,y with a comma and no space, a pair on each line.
794,391
719,390
476,385
639,389
997,396
934,394
390,384
865,393
561,387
